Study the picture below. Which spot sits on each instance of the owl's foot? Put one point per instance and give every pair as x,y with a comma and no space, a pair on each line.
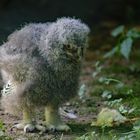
60,127
28,128
53,120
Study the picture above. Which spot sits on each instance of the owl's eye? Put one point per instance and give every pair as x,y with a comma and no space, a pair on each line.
68,47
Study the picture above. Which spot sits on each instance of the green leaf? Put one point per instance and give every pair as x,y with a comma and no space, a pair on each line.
133,33
126,47
111,53
107,94
82,91
136,125
117,31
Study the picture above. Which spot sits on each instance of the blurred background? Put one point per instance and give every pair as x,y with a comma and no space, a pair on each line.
96,13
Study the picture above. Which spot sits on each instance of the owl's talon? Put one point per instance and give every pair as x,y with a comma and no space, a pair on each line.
29,128
50,127
60,127
40,128
19,126
63,127
26,127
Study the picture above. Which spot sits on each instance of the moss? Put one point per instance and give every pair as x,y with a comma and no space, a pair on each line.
134,103
116,68
80,128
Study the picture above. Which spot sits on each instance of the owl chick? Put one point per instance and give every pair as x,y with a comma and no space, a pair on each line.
40,65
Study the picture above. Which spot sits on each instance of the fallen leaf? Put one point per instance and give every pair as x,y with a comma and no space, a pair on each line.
109,117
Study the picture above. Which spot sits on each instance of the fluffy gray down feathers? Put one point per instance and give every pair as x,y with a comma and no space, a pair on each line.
33,62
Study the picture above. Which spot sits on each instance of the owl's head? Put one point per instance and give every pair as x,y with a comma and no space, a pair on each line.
67,39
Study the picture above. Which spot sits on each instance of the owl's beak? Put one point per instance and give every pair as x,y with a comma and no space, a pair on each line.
76,54
80,53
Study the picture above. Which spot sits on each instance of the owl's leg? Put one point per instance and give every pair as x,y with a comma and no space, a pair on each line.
53,120
27,124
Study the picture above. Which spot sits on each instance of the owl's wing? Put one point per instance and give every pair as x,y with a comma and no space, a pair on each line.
20,53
